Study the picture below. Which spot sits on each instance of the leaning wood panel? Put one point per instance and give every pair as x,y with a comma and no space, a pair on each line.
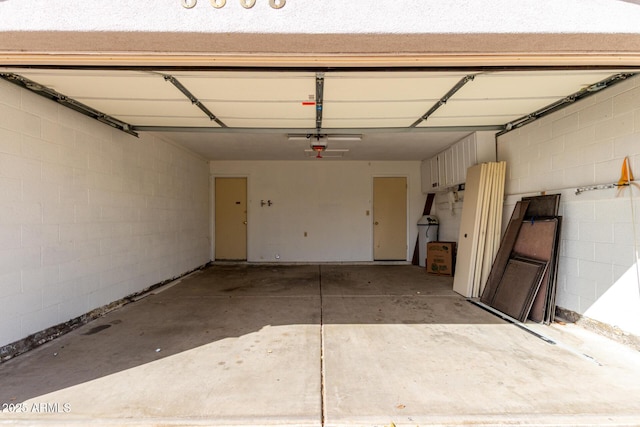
543,206
506,246
551,300
468,237
537,240
486,185
494,223
518,286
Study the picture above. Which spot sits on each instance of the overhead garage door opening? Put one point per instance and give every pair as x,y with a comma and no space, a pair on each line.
101,209
218,114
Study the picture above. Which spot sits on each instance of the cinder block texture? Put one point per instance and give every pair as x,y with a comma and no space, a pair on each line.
88,214
586,144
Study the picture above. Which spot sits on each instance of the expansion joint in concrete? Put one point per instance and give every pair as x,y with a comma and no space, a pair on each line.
322,372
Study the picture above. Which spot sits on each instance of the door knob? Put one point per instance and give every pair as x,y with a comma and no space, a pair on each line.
375,223
244,222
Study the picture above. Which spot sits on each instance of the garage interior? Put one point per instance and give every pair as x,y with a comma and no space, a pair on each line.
311,345
124,278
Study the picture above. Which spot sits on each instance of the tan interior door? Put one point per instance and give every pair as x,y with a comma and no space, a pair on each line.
390,218
231,218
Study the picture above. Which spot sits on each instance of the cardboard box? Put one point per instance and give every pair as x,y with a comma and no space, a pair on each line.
441,258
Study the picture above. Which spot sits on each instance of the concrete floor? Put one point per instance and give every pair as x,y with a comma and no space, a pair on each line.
309,345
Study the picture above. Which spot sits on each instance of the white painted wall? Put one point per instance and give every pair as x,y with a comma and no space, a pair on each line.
88,214
449,215
327,199
584,145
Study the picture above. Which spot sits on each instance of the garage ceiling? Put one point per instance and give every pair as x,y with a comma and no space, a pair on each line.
257,111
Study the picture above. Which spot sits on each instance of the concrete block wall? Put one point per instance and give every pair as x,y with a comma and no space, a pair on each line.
88,214
584,145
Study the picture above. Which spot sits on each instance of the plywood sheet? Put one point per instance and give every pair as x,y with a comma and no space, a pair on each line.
468,237
504,252
483,223
518,286
494,223
543,206
537,240
551,297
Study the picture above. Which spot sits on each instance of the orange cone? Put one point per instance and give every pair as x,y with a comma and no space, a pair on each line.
626,176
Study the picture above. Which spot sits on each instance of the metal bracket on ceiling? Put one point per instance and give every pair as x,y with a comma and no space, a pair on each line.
444,99
319,100
564,102
195,101
70,103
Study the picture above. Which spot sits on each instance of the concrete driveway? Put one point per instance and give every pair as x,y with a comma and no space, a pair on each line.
312,345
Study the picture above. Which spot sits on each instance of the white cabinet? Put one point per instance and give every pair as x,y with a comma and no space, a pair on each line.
435,174
430,174
449,167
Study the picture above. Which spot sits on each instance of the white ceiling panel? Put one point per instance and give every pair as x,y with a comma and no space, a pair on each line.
508,85
180,108
261,110
378,86
244,86
164,121
374,110
103,84
289,123
491,107
467,121
364,122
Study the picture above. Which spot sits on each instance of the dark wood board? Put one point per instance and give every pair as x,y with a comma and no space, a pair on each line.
504,252
551,300
426,211
542,206
518,286
537,240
